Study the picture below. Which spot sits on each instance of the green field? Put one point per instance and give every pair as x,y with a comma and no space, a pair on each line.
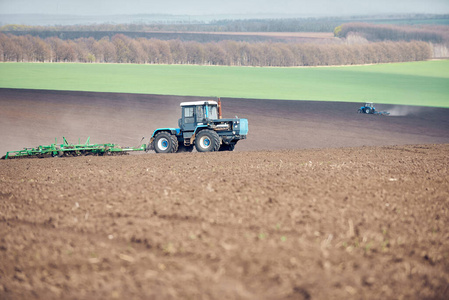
417,83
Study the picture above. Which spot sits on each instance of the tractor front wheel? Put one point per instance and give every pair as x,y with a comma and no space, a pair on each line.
207,141
165,142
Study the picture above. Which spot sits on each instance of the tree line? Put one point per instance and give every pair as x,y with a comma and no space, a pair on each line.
202,37
251,25
322,24
122,49
383,32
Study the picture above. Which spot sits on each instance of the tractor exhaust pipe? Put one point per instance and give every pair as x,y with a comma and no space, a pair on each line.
219,109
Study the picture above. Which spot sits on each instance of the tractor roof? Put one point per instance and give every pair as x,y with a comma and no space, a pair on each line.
197,103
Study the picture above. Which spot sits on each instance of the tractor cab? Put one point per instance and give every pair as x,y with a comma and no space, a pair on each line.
197,113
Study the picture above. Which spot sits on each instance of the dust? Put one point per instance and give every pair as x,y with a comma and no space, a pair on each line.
401,111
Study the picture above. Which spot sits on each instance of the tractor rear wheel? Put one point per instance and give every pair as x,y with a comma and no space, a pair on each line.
165,142
207,141
367,110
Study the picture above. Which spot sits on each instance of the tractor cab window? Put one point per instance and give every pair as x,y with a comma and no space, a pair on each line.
199,114
188,115
213,112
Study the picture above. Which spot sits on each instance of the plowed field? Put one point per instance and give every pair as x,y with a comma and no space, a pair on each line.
318,203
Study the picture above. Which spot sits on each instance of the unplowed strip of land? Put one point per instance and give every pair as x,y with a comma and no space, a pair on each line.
298,36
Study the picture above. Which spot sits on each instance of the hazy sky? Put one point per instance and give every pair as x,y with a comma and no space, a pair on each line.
202,7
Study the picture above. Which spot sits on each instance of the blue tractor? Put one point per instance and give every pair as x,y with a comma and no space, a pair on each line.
201,126
369,108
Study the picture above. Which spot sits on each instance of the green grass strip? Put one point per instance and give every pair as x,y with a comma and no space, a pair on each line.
416,83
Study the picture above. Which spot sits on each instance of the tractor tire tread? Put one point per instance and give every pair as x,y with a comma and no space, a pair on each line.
174,144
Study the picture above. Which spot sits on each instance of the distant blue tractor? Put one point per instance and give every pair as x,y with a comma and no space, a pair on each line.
201,126
369,108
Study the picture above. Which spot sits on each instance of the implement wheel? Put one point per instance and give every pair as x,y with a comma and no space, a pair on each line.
164,142
207,141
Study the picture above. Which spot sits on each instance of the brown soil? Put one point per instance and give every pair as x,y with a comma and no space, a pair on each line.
30,118
361,219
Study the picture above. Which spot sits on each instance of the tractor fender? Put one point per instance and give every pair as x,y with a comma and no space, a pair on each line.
174,131
197,130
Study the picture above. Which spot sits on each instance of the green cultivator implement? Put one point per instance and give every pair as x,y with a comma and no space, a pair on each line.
66,149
